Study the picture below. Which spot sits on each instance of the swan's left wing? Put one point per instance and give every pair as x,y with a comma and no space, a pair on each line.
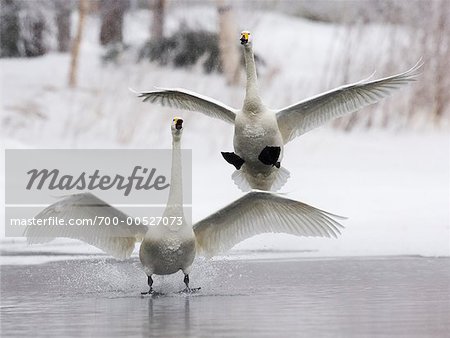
260,212
188,100
306,115
87,218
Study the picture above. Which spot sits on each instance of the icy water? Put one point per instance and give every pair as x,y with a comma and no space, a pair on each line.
404,296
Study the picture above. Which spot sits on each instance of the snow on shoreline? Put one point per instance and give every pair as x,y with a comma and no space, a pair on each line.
393,186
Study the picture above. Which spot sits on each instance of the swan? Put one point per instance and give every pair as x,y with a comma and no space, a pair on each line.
260,133
166,249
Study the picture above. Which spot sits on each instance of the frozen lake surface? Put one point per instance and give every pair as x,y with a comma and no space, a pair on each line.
344,297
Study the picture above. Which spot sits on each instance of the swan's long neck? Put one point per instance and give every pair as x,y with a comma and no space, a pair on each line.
252,93
175,201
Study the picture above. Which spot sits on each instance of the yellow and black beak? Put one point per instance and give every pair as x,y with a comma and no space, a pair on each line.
178,122
244,38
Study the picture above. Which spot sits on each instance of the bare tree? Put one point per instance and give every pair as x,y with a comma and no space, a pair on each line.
34,26
157,27
82,10
441,53
63,10
112,13
9,28
413,29
24,27
229,53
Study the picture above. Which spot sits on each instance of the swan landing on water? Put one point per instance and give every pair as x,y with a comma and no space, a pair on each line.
260,133
166,249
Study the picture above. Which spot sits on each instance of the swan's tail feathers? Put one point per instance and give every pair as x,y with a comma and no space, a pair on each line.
279,177
239,179
282,176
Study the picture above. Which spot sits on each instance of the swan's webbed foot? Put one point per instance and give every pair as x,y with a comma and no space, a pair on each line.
149,292
188,289
233,159
269,156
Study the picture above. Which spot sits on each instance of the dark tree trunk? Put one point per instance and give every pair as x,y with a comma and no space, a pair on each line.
112,12
441,56
36,46
63,22
9,28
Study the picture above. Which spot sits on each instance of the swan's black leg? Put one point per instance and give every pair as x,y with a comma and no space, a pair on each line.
233,159
186,281
269,156
150,283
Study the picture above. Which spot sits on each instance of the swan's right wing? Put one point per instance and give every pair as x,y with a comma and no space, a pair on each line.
188,100
117,238
260,212
311,113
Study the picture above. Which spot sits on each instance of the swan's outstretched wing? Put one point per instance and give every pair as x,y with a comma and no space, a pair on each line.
303,116
185,99
261,212
117,240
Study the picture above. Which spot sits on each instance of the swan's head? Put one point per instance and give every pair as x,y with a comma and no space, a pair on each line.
177,127
245,38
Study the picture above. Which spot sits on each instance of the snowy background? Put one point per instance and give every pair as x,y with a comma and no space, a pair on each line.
386,168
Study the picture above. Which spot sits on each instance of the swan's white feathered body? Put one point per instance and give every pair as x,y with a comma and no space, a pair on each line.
252,133
166,249
257,126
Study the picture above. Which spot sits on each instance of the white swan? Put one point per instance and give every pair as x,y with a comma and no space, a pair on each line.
260,133
165,249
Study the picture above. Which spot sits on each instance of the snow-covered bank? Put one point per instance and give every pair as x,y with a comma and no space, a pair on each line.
393,186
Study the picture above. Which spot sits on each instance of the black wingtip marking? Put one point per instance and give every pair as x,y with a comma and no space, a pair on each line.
269,156
233,159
